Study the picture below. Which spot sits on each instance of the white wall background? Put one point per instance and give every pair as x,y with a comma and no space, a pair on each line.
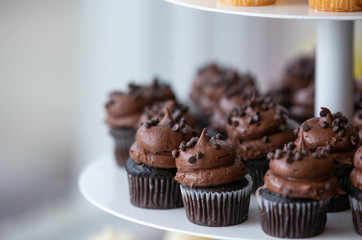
60,59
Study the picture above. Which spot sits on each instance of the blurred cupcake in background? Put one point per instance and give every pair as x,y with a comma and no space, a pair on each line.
124,110
257,128
210,84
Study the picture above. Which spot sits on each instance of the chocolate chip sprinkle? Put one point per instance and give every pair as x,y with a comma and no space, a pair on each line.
218,136
312,149
353,140
295,131
324,124
190,144
216,146
270,155
175,153
147,124
290,145
315,155
236,123
192,159
175,128
335,129
289,160
265,139
278,154
298,156
341,133
184,131
199,155
305,127
323,113
329,148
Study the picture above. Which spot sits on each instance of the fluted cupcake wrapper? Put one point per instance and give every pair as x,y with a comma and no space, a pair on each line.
292,220
336,5
217,209
124,138
340,202
356,207
154,193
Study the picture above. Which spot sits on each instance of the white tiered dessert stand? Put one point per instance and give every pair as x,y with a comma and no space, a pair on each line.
105,185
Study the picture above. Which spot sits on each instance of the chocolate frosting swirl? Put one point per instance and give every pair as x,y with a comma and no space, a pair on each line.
156,139
124,109
333,133
205,162
213,82
298,173
356,174
178,111
259,127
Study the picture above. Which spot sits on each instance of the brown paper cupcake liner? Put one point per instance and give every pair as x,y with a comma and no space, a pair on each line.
217,209
154,193
356,207
292,219
124,138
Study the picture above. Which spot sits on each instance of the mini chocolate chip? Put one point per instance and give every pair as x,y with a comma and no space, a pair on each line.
270,155
183,147
324,124
356,129
265,139
335,129
175,153
256,118
289,159
323,153
140,124
290,145
177,114
323,113
236,123
217,146
199,155
182,144
348,128
305,127
185,131
218,136
170,123
312,149
315,155
298,156
303,152
250,120
328,186
353,140
154,121
147,125
229,121
278,154
344,119
192,159
190,144
338,114
295,131
194,139
341,133
175,128
182,124
329,148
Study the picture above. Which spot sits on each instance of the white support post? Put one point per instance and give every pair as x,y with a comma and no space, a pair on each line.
334,67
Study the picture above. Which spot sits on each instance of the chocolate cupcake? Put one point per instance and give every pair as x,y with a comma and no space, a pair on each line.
302,107
335,134
257,128
151,168
355,193
178,111
212,82
292,202
215,186
124,110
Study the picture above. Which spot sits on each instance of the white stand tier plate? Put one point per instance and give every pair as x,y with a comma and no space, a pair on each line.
105,185
282,9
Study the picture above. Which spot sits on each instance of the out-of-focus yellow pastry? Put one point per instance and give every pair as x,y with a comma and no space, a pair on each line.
336,5
247,2
181,236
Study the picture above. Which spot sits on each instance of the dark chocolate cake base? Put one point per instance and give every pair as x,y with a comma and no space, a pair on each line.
151,187
340,202
290,217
